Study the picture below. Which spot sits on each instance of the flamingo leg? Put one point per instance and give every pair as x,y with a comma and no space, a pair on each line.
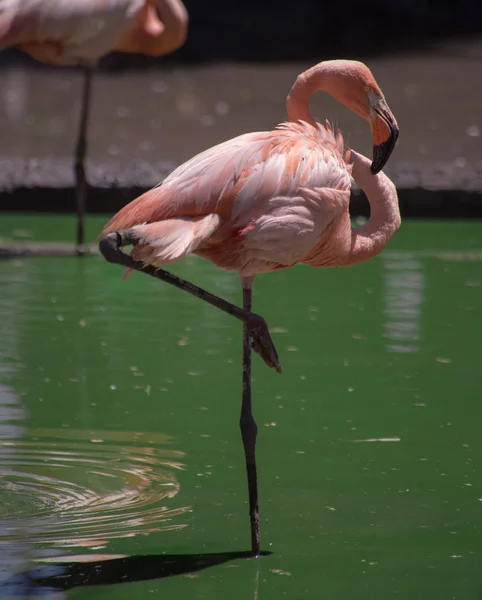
110,245
80,153
249,429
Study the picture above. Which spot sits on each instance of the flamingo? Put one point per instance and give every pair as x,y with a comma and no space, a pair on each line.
80,32
266,201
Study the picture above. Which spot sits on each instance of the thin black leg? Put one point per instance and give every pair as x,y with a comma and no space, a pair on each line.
249,429
110,246
80,153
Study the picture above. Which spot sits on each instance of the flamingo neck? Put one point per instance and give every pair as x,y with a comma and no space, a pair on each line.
336,77
298,100
370,239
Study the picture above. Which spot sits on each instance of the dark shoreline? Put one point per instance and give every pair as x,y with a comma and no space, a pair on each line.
414,202
441,190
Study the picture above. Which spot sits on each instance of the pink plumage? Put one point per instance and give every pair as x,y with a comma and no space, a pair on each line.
69,32
268,200
256,203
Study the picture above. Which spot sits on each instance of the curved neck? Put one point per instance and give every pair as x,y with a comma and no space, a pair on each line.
298,100
370,239
336,77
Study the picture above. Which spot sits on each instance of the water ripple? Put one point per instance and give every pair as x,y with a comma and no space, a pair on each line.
75,492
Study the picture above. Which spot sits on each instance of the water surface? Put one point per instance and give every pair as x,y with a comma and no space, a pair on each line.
119,407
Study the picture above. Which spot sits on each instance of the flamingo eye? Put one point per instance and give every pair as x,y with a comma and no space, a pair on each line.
368,89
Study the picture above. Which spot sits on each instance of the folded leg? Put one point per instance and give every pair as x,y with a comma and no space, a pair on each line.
111,245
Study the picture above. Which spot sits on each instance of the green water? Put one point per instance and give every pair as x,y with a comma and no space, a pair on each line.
119,408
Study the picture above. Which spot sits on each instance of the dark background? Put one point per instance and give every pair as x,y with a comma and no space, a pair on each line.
273,30
427,56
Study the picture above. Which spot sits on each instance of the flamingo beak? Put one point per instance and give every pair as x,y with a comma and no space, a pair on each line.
385,134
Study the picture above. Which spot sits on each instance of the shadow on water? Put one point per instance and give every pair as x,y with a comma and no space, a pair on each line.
60,577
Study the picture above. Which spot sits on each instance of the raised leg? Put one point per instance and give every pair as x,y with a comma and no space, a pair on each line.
249,429
110,245
80,153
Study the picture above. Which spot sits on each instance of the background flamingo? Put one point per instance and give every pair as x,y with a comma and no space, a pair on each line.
80,32
266,201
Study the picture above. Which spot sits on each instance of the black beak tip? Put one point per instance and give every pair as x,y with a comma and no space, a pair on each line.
375,168
383,151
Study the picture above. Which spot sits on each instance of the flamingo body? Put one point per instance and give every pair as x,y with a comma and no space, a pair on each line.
268,200
259,202
69,32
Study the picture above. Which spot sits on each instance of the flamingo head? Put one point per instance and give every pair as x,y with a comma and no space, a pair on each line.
353,84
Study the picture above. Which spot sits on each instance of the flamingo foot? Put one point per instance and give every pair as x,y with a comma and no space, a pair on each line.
261,341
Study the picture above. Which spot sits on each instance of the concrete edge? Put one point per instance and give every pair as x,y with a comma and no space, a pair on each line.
439,190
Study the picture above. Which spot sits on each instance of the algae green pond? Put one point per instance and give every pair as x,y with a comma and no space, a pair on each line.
121,459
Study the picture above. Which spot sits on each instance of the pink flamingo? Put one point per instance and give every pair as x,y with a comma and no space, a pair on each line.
80,32
266,201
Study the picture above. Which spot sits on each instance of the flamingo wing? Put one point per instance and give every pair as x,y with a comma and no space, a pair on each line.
267,191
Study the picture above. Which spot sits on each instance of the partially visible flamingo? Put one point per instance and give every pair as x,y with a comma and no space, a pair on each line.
80,32
266,201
